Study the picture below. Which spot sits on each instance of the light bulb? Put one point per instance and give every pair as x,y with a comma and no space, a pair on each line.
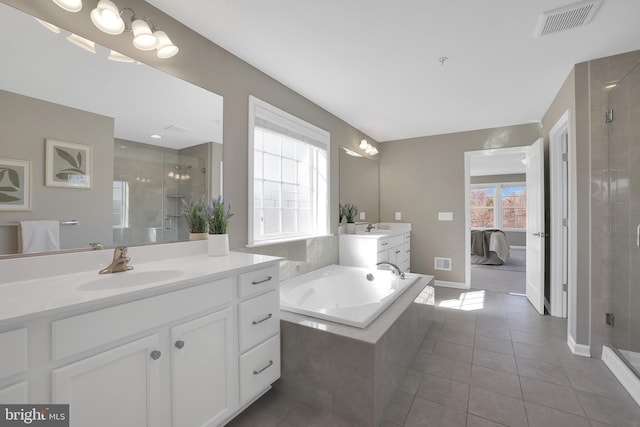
166,49
143,38
69,5
364,144
106,17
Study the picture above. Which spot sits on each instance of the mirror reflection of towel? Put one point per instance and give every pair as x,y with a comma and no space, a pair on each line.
38,236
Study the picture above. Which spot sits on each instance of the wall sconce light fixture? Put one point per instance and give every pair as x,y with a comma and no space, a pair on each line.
108,18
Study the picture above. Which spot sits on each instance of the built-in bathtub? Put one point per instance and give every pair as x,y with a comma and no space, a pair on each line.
350,371
351,296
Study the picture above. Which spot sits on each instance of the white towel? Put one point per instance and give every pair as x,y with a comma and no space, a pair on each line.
38,236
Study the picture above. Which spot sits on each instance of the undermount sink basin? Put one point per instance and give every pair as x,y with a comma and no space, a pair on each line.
128,279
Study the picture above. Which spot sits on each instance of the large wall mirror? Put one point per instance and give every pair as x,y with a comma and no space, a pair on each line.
148,139
360,183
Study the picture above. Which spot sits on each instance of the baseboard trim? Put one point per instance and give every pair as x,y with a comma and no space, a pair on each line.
578,349
445,284
622,372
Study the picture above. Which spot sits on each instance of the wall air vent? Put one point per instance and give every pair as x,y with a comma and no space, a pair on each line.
567,17
442,264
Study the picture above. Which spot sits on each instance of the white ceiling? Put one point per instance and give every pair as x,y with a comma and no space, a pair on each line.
374,63
502,161
141,99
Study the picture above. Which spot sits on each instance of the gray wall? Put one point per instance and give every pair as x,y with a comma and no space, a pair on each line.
514,238
207,65
26,123
359,185
420,177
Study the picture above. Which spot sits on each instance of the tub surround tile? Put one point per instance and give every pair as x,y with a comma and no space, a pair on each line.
346,374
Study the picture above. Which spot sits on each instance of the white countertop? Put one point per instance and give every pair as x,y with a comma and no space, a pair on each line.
30,298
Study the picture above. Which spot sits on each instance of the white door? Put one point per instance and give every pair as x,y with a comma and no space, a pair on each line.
203,384
118,387
535,225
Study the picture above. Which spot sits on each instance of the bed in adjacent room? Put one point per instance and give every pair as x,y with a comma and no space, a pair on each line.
489,247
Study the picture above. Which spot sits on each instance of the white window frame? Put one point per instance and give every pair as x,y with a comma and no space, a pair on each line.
497,203
266,111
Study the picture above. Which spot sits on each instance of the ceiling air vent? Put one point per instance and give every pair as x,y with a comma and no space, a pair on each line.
567,17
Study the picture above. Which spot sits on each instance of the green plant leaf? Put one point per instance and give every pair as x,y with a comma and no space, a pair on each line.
14,178
7,198
10,189
3,172
79,157
67,157
81,172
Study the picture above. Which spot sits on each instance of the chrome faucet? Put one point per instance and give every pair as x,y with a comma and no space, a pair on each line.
394,268
370,227
120,262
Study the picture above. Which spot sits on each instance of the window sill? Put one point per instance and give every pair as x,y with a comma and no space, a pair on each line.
285,240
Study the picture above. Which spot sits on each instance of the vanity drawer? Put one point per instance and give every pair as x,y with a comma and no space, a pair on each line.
83,332
259,368
14,352
258,281
259,319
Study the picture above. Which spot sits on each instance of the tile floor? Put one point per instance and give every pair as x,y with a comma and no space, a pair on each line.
488,360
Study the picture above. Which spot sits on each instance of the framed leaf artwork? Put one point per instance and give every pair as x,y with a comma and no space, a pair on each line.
15,185
68,164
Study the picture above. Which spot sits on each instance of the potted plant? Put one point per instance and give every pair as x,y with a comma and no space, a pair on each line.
350,211
193,212
218,216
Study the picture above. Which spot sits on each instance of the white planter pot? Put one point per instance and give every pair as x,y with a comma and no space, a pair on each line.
351,228
342,229
218,244
197,236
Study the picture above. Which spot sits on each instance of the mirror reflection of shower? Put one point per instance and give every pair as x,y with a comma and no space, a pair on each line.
148,187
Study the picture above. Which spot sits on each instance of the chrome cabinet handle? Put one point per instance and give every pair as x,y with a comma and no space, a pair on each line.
155,355
257,322
179,344
257,282
384,244
398,252
258,372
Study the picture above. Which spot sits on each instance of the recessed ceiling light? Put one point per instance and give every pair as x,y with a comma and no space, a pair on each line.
155,136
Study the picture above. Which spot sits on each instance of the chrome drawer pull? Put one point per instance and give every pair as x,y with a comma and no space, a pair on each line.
257,322
261,281
263,369
384,244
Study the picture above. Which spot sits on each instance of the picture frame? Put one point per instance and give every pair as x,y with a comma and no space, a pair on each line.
15,185
68,164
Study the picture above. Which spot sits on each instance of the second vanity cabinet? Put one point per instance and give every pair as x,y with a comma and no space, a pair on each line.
366,250
194,356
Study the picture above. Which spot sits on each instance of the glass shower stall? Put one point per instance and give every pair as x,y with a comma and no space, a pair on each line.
624,218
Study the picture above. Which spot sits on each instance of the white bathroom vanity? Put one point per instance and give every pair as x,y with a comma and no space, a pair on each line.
179,341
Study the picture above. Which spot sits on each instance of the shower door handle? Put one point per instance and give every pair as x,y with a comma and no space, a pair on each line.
638,236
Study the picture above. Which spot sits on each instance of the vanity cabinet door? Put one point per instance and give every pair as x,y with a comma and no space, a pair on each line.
204,387
118,387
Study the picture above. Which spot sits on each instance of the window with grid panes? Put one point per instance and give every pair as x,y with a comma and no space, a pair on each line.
289,176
